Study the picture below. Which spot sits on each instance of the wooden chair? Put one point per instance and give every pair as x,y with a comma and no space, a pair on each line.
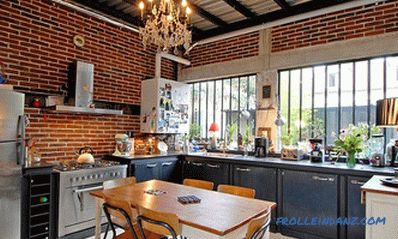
121,210
258,226
198,183
236,190
160,223
116,217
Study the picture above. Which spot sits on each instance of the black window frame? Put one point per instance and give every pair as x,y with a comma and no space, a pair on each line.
339,63
204,113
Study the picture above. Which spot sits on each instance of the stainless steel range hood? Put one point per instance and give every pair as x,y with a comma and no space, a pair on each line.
81,89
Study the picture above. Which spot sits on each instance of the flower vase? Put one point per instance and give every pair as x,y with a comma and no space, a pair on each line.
351,160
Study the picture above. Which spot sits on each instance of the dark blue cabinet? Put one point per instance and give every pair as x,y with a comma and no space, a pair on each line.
166,169
309,195
213,171
354,206
170,170
146,170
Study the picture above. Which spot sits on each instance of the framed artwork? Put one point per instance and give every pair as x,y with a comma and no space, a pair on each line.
266,92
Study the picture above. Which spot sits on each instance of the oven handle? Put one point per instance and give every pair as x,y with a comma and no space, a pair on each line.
83,190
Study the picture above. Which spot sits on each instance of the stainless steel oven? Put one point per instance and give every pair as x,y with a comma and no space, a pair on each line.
76,207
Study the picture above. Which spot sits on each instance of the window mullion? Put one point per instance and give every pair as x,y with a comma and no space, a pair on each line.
301,104
339,101
326,105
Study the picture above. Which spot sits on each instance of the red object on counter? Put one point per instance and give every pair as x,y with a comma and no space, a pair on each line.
213,127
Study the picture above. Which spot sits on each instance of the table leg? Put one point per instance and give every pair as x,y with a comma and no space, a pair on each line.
98,215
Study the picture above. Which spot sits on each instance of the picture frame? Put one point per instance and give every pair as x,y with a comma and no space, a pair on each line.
266,92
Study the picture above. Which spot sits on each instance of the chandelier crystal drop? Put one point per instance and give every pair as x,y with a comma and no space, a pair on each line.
166,24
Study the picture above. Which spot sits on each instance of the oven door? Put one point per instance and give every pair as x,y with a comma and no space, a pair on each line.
77,209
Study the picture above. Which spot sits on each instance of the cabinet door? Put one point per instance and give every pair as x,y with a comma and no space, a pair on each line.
169,170
147,171
309,195
263,180
216,172
194,169
354,206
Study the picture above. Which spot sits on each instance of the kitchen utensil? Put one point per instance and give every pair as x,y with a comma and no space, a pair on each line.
123,145
391,181
86,156
162,146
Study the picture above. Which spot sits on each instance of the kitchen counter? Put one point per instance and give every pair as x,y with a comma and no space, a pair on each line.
376,186
328,167
38,165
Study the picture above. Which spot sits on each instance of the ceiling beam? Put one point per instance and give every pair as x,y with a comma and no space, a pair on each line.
101,7
240,8
271,16
207,15
283,4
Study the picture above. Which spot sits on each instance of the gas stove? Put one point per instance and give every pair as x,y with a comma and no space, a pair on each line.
76,207
71,165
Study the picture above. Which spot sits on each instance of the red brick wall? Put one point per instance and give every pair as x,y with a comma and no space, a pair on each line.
225,50
36,48
338,26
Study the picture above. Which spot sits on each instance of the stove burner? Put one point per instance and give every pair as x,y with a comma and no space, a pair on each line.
70,165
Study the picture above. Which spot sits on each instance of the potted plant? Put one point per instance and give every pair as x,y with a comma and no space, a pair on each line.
352,141
231,129
246,138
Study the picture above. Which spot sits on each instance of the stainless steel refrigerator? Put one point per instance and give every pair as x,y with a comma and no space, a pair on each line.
12,159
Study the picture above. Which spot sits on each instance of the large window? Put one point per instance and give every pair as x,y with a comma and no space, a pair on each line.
323,99
222,101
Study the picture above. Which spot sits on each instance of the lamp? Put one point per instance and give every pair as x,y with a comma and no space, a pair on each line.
387,117
387,113
213,129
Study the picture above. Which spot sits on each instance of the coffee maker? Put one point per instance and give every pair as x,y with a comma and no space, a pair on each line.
261,147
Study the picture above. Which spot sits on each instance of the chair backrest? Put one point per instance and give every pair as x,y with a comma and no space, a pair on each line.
258,226
119,182
198,183
235,190
120,209
158,222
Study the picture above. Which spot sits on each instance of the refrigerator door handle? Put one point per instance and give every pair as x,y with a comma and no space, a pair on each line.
21,143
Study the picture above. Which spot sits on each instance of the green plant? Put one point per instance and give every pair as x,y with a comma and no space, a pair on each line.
352,139
231,129
194,131
288,139
247,134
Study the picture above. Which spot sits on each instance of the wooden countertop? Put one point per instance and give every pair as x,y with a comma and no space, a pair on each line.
374,185
218,213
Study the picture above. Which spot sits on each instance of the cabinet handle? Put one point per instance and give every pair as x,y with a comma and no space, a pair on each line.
151,165
357,182
324,179
213,165
197,164
167,164
243,169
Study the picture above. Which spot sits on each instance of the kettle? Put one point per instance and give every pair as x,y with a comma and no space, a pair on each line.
86,156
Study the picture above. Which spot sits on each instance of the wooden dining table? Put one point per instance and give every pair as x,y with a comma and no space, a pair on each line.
217,216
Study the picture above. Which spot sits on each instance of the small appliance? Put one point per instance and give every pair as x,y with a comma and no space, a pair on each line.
123,145
317,154
261,147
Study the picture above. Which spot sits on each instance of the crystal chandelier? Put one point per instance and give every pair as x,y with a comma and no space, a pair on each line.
166,24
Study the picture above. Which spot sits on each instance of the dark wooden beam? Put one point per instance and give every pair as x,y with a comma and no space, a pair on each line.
101,7
240,8
271,16
283,4
207,15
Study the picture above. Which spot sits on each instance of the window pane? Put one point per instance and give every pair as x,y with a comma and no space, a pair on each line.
284,99
211,105
243,102
392,89
295,123
346,94
252,92
332,102
218,104
319,94
203,108
195,116
376,85
306,103
361,92
227,101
